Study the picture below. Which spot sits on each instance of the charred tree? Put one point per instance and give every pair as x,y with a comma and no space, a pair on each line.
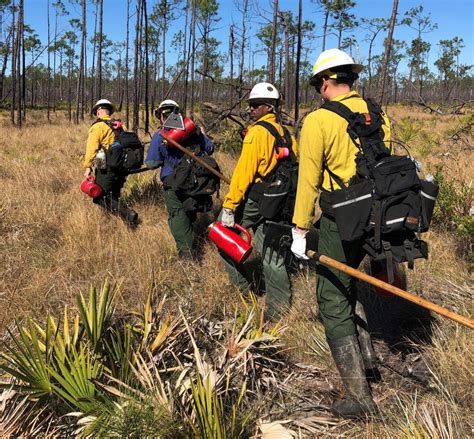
127,73
193,52
99,49
298,60
136,69
13,65
388,48
147,62
80,76
245,10
48,99
271,61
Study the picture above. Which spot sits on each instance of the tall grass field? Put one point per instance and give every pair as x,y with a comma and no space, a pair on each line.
107,333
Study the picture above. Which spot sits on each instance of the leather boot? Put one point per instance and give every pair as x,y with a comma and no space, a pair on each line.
365,343
357,401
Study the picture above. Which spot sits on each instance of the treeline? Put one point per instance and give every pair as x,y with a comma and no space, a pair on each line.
76,66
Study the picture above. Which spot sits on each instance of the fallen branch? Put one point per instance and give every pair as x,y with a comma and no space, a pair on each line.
463,130
423,104
227,112
456,109
227,84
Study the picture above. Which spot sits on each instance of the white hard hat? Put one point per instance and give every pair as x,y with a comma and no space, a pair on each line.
263,91
103,103
334,58
167,103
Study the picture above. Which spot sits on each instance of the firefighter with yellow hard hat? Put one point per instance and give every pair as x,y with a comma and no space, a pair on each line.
257,161
327,162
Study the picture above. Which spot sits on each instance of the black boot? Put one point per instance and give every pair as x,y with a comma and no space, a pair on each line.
129,216
365,343
358,401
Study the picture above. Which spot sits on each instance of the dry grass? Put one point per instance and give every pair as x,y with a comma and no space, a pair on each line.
54,243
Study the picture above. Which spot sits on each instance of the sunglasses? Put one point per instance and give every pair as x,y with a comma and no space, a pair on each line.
254,105
318,83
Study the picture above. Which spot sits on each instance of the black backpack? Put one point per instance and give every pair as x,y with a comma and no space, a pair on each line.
276,194
192,179
386,204
127,152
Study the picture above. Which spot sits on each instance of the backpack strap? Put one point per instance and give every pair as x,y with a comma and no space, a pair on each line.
349,116
373,106
109,123
280,140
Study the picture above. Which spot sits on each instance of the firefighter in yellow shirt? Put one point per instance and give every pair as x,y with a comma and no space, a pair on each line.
100,137
327,160
257,161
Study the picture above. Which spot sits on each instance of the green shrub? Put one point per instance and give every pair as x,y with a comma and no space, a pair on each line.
453,204
231,141
452,209
427,144
407,130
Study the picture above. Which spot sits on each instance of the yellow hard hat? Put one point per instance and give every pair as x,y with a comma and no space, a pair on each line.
332,58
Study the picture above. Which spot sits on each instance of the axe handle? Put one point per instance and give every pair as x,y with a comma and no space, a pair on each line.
195,157
390,288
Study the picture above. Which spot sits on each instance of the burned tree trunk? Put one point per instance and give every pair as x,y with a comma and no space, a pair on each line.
298,61
388,48
147,63
99,50
271,60
127,94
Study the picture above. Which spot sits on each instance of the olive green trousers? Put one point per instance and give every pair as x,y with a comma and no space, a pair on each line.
336,292
277,282
180,222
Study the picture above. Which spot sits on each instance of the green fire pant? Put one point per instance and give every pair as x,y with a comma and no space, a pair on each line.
277,282
179,222
111,182
336,293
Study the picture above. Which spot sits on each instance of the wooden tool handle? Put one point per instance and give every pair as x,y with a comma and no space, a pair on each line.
390,288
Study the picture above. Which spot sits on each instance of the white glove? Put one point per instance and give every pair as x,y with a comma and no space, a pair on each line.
298,246
227,219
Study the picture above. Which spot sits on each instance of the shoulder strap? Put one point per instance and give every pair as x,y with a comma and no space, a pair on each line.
284,140
273,131
109,123
339,109
373,106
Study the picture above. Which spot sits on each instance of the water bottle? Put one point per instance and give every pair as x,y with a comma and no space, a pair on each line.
100,161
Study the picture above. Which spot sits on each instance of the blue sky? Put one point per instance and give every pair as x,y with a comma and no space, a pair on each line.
454,18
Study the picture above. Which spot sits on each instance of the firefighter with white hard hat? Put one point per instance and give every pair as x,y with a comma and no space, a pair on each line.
101,136
327,163
257,161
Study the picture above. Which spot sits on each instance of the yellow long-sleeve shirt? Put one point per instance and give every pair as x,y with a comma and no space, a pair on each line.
257,160
324,137
100,136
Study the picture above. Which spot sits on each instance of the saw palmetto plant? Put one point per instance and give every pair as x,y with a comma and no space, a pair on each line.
147,371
